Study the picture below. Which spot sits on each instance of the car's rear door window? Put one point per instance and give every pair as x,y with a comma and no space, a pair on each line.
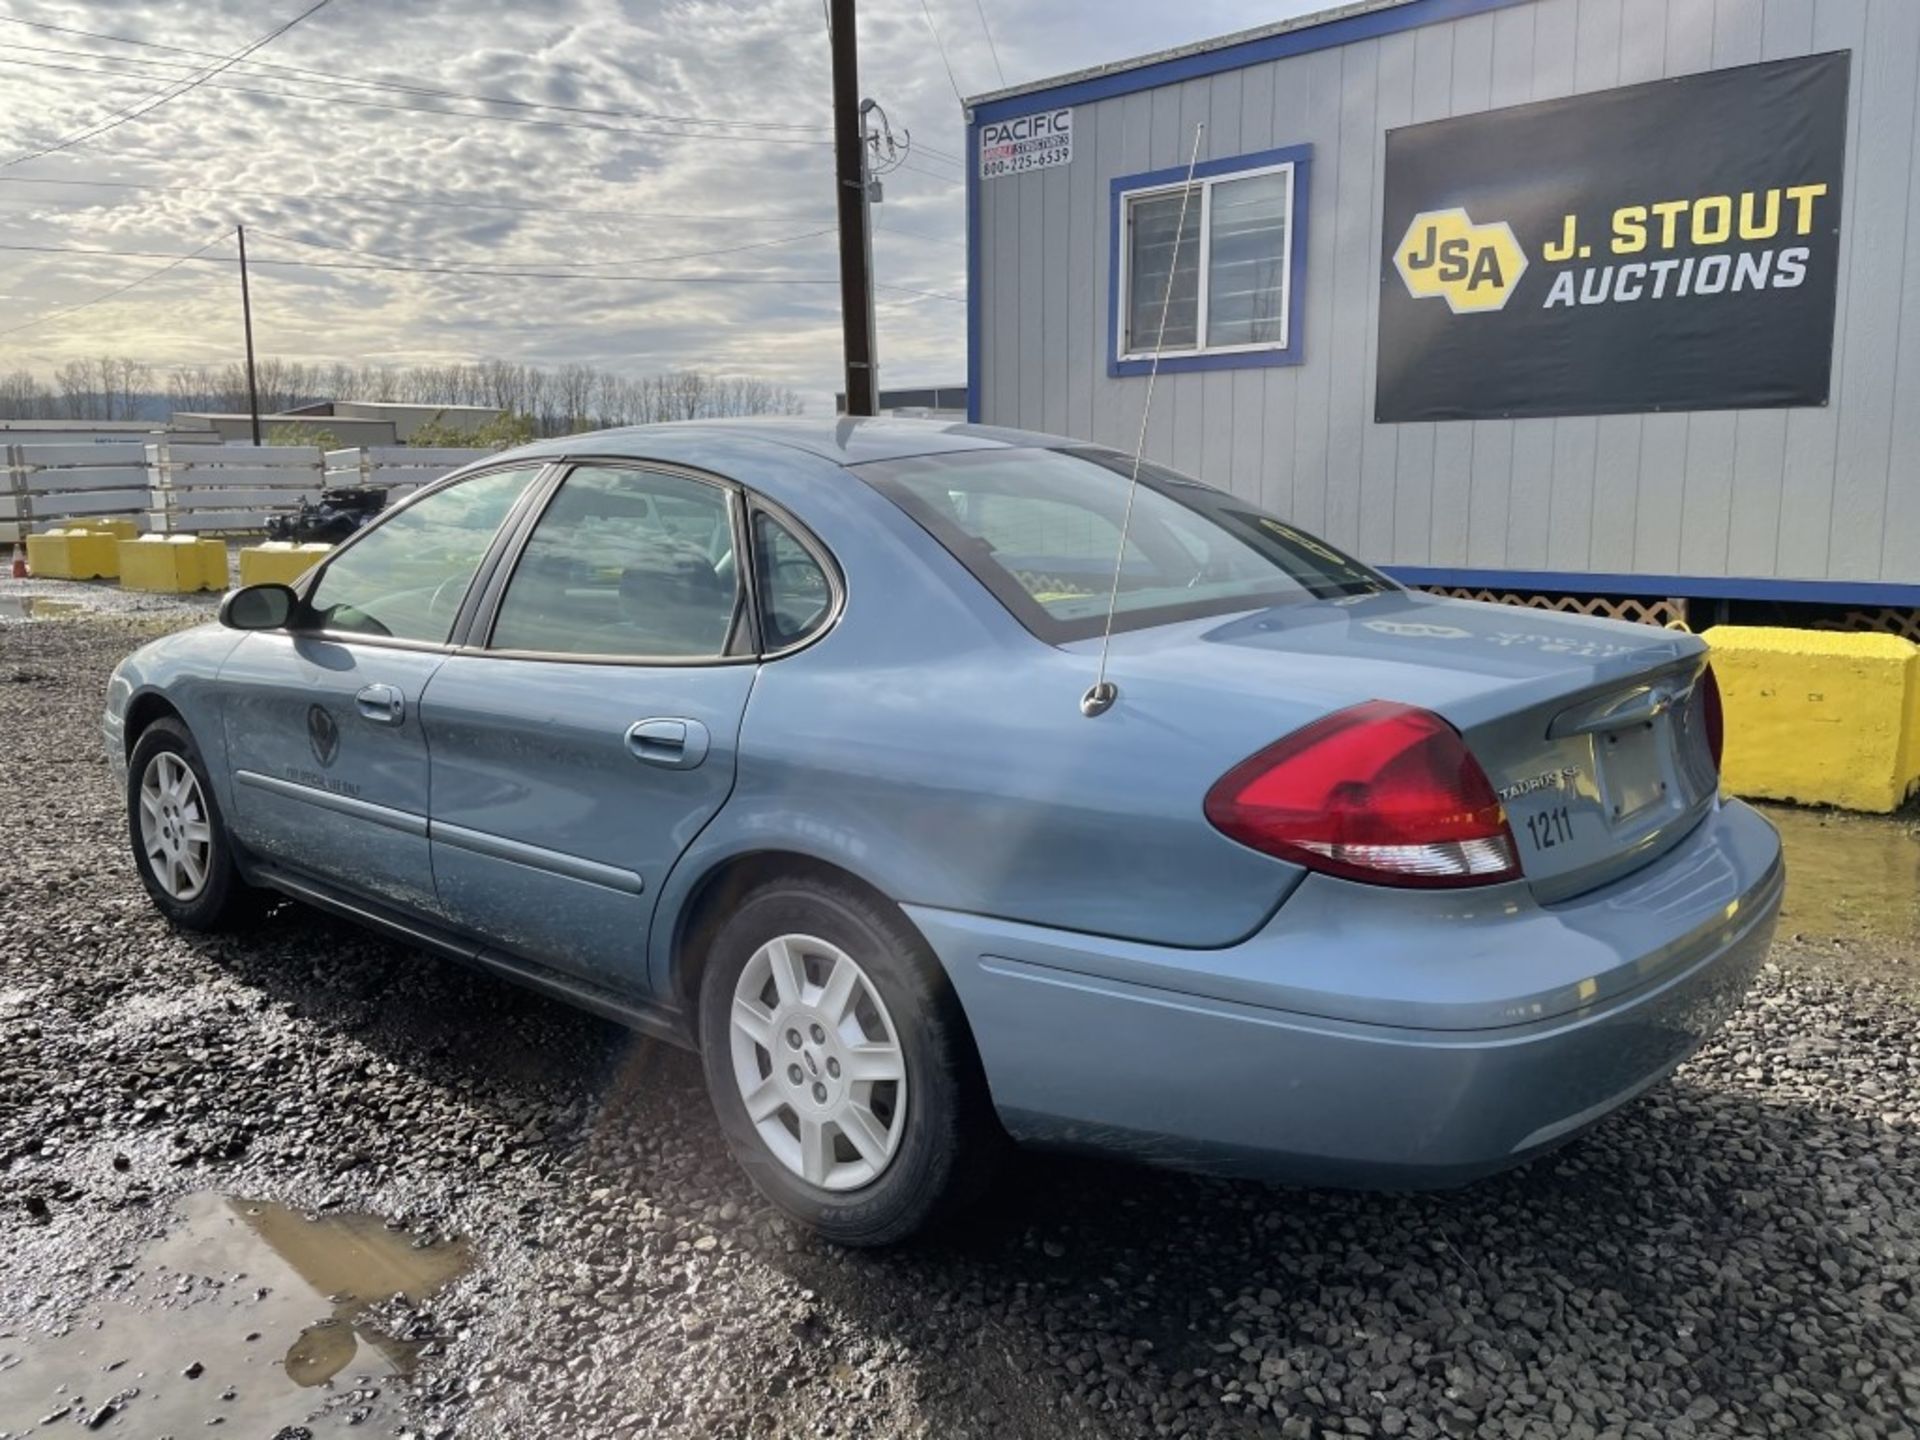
405,578
626,562
1041,530
796,592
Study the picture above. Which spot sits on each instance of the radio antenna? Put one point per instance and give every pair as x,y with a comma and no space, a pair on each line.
1099,699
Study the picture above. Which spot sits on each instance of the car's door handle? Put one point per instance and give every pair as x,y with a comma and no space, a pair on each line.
382,704
670,744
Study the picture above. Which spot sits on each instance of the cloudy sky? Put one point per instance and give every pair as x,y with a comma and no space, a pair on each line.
310,144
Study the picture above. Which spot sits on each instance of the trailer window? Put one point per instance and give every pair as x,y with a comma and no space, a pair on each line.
1231,263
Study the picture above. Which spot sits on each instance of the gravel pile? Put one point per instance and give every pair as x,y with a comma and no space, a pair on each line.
1735,1255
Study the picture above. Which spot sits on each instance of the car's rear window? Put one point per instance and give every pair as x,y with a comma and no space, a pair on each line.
1041,530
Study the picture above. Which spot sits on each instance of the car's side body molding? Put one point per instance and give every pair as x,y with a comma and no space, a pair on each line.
538,857
385,816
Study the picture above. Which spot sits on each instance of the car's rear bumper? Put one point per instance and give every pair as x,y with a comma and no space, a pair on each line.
1172,1056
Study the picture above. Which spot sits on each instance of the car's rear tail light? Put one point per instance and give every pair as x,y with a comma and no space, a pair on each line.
1712,718
1379,792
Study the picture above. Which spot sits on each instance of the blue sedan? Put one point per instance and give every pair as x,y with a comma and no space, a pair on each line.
775,739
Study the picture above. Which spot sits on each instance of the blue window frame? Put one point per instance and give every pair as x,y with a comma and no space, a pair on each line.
1240,273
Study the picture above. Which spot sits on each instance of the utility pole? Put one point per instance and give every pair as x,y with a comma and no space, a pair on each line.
246,312
856,240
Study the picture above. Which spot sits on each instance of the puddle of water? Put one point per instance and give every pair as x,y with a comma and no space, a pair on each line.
1850,876
37,607
248,1315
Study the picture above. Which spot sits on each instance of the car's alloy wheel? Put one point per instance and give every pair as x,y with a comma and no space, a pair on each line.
840,1065
179,837
176,830
818,1062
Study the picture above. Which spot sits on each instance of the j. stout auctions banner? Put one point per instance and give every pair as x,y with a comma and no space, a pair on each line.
1670,246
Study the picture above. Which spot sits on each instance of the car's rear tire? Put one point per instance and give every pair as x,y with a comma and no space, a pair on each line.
825,1012
179,837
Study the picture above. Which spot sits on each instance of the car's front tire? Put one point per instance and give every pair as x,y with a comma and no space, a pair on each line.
179,837
840,1066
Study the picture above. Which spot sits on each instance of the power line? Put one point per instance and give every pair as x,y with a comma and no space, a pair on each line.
281,94
920,147
992,49
341,78
397,109
921,235
576,264
133,112
927,11
405,201
528,274
408,201
300,72
930,174
145,279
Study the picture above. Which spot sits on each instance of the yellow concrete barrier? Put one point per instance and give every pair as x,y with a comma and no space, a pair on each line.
279,561
74,552
173,564
215,572
1819,717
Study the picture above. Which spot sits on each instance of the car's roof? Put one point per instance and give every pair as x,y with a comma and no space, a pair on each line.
843,439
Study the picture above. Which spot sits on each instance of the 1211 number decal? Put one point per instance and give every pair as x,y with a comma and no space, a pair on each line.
1550,828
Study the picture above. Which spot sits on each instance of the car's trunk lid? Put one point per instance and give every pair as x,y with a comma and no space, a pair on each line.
1602,780
1590,730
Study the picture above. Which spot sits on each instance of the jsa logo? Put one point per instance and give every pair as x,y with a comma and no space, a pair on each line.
1474,268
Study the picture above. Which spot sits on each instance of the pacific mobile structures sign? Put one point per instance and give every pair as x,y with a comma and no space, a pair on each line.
1029,142
1666,246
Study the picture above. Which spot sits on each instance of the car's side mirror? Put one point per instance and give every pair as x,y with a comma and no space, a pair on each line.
259,607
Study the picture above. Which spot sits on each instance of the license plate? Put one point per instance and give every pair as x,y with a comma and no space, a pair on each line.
1630,764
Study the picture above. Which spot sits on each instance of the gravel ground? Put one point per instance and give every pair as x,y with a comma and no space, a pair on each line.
1734,1255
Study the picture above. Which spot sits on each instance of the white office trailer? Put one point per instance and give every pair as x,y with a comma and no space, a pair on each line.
1608,297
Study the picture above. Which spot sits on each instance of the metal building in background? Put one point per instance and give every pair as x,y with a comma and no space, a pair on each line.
925,402
1594,296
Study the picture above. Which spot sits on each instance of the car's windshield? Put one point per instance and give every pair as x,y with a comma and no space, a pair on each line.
1041,529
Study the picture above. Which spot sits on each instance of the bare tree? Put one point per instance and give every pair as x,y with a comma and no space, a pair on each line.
379,383
23,397
609,404
77,400
571,397
574,386
130,380
504,385
192,387
539,400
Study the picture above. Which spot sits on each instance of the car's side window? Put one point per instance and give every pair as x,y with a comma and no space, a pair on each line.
405,578
625,562
795,594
